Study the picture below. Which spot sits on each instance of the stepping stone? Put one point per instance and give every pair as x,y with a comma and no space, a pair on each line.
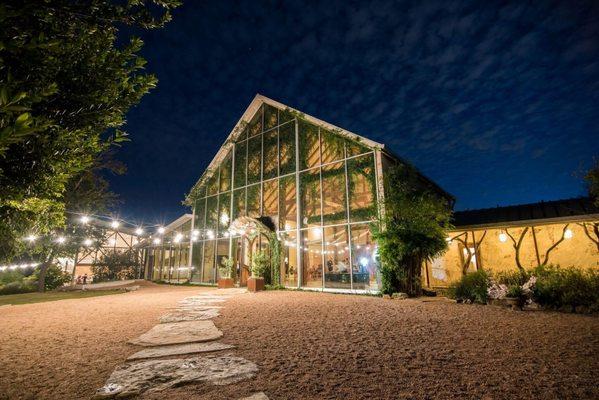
201,301
156,375
179,349
189,315
256,396
178,333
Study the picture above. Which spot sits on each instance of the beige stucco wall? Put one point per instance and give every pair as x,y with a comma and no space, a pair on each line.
494,255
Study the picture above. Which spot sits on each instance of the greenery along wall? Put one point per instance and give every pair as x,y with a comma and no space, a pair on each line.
265,149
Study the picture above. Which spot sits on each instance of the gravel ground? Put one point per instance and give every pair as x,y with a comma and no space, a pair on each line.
313,346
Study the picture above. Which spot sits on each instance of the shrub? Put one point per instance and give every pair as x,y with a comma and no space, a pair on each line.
512,278
225,268
566,288
259,264
472,287
25,286
116,266
55,277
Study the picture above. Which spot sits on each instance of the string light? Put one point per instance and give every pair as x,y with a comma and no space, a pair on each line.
178,237
156,240
88,242
61,239
161,230
31,238
115,224
84,219
139,231
195,232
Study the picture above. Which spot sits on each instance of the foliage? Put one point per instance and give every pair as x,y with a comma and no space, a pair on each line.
592,180
412,229
511,278
25,286
116,266
515,291
566,288
65,87
225,269
55,277
471,287
260,261
15,275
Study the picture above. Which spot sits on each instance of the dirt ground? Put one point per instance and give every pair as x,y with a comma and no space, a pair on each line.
313,346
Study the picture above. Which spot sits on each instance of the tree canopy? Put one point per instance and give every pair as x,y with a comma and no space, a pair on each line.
413,229
65,88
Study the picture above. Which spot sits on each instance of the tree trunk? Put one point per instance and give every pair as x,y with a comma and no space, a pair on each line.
41,281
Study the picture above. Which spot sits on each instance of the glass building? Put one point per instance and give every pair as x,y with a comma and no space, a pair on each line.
317,186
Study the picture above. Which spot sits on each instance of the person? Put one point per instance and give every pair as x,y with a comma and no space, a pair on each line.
78,280
85,278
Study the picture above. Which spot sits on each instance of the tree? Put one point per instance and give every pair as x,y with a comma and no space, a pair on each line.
116,265
413,229
65,87
469,253
592,181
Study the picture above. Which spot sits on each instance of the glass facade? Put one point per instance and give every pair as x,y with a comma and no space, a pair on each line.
316,187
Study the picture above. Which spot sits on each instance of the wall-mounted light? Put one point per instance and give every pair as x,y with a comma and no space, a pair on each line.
568,234
502,237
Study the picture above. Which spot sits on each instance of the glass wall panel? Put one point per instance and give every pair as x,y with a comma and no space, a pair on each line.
208,270
270,162
199,214
354,148
285,115
270,117
362,188
254,159
310,197
287,148
224,213
309,145
333,194
240,163
253,201
225,174
255,125
270,199
365,271
238,204
212,185
222,251
211,212
332,146
287,203
196,261
289,272
337,272
312,257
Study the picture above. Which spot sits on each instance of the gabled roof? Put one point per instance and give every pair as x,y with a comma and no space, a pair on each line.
576,209
255,105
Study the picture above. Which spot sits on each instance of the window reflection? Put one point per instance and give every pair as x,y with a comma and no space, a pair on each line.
289,273
287,203
337,270
363,258
311,247
362,188
270,199
333,194
310,196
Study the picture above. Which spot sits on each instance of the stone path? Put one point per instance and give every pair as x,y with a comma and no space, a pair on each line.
184,330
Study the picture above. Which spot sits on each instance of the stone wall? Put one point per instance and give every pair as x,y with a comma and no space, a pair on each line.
496,251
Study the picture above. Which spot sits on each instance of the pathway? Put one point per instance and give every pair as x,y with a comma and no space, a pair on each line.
185,331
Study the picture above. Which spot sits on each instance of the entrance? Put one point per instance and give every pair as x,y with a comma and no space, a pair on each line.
243,249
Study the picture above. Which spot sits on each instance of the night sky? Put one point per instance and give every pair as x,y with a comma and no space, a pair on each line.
498,102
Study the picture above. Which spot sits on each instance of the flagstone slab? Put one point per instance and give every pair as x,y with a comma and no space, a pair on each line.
189,315
256,396
201,301
132,379
179,349
178,333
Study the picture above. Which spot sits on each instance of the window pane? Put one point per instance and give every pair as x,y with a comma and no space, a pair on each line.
270,199
332,146
213,183
285,115
362,188
225,174
222,251
200,214
270,117
208,272
224,213
289,259
337,272
255,125
309,146
333,194
365,272
310,197
311,246
270,155
240,164
211,212
196,261
254,158
238,204
354,148
253,201
287,203
287,149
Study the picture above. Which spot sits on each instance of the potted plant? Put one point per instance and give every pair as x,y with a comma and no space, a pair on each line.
224,273
258,268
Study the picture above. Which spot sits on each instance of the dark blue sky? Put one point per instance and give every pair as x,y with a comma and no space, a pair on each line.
498,102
